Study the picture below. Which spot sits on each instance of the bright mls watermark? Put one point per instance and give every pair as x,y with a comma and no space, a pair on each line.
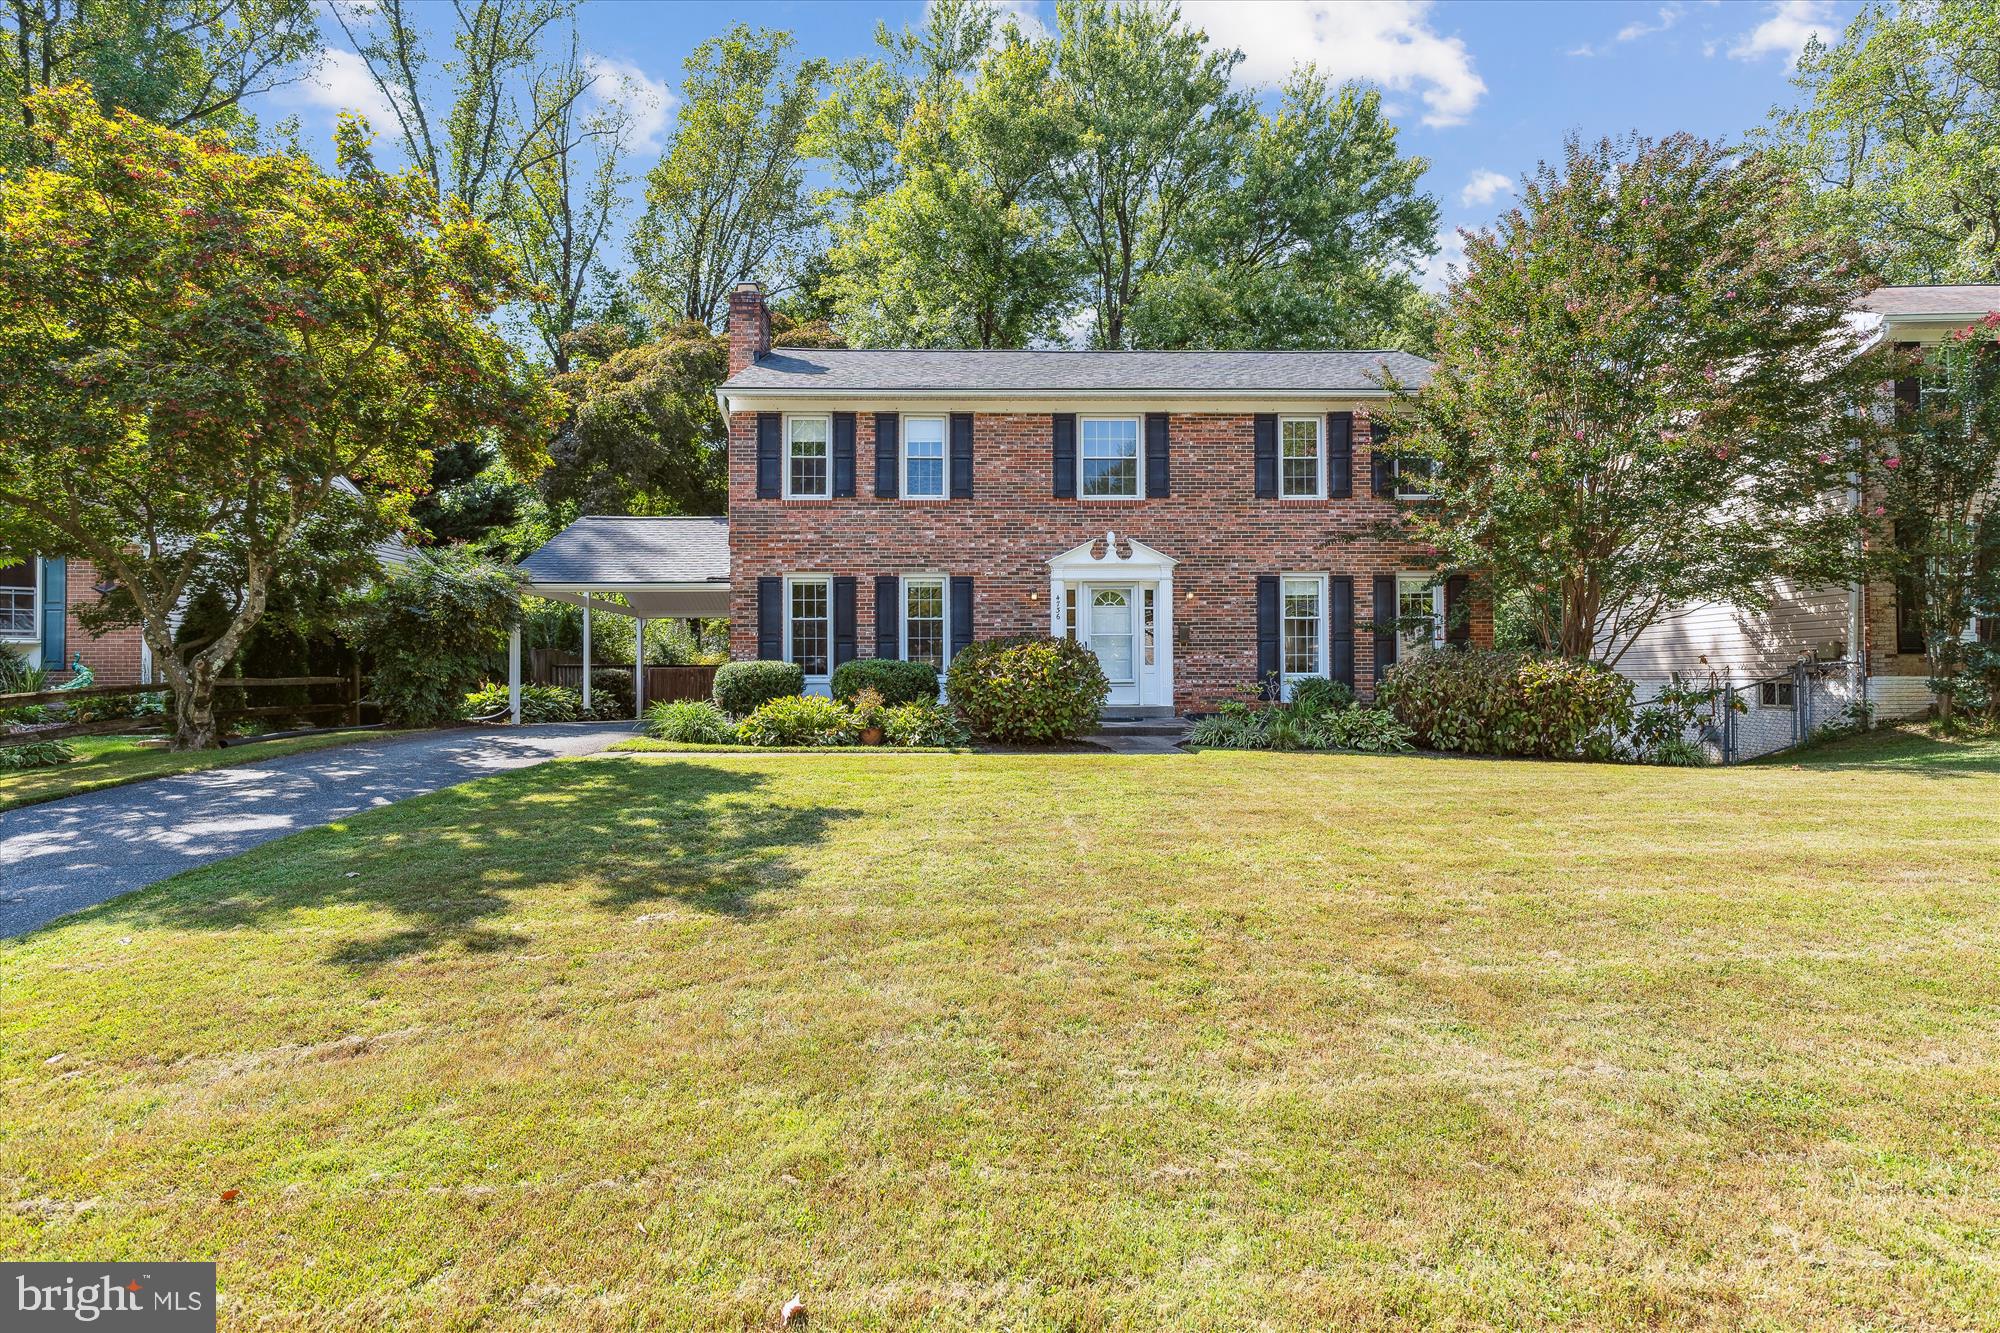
143,1298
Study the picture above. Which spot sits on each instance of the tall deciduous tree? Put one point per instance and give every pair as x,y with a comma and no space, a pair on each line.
1898,131
1646,396
729,199
201,347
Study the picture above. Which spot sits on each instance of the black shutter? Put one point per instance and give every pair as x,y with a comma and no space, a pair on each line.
1340,639
1064,431
1384,611
1385,475
770,619
961,613
1158,479
961,455
770,480
843,453
888,615
1909,392
1264,432
843,621
1339,455
1267,633
888,485
1457,610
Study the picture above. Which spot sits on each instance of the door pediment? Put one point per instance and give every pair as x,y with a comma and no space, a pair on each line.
1137,560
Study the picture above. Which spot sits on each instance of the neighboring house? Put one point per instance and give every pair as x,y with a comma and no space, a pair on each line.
1203,521
1858,641
39,597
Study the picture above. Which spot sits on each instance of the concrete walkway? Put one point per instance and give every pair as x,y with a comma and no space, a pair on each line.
65,855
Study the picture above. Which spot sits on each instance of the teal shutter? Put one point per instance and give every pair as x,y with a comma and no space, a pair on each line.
55,613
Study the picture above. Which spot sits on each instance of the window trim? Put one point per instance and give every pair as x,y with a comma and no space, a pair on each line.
825,581
35,576
1323,637
943,581
1318,491
826,418
1408,579
1138,456
1774,688
1396,465
944,457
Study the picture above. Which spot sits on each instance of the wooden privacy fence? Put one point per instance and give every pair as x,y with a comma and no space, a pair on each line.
229,706
664,684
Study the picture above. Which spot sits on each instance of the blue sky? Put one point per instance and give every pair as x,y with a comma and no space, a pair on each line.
1483,90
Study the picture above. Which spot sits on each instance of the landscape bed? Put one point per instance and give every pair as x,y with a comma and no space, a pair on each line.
1239,1039
113,761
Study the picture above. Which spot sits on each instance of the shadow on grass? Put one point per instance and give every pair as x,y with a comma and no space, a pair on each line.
450,865
1899,750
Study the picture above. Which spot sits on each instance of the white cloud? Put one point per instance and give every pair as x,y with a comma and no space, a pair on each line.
1669,15
649,101
1787,26
342,83
1389,42
1435,274
1484,187
1024,13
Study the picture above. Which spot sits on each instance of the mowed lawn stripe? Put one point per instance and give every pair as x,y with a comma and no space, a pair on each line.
1221,1040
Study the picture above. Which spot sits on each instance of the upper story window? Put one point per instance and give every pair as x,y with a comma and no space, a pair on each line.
807,468
923,458
1299,466
1108,458
1413,478
17,601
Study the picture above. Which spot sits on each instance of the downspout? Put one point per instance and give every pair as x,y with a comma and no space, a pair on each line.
1857,594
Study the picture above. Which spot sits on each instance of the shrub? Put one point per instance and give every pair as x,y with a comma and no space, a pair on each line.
897,682
539,703
611,693
434,629
1027,689
1677,752
36,754
1679,708
1316,694
690,721
923,722
741,688
1228,731
799,719
1492,702
1374,730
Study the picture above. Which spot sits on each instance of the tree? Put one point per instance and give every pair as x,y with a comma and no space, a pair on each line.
1940,493
433,630
203,347
728,199
1897,131
183,63
1646,395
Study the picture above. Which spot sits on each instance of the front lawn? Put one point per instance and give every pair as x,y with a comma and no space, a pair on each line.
113,761
1074,1041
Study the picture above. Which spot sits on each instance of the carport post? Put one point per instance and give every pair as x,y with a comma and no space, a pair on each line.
639,668
514,673
586,652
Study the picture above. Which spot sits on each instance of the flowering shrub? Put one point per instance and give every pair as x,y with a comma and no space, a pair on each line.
689,721
924,722
799,719
1027,689
1487,702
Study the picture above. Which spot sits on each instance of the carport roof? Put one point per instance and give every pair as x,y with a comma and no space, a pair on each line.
606,551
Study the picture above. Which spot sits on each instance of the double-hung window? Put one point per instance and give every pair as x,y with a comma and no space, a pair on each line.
17,601
1419,612
808,469
924,621
923,458
1108,458
809,627
1299,458
1303,650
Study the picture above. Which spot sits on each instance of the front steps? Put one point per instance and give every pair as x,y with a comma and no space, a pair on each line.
1160,733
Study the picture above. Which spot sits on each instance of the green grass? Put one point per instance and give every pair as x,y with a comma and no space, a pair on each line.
113,761
1075,1041
652,745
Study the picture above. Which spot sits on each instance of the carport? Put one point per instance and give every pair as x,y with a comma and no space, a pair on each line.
658,568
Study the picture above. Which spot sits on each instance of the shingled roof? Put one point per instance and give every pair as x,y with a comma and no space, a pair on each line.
602,551
832,370
1951,301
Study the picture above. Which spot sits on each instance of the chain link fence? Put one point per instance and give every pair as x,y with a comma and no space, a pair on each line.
1749,718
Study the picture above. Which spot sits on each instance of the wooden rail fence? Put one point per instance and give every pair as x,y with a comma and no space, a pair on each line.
348,705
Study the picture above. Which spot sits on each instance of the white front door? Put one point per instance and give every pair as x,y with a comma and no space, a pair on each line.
1112,615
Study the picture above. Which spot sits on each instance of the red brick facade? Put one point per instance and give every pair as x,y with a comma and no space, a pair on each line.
115,657
1223,536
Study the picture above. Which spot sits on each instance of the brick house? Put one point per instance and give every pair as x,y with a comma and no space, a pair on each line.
1204,521
39,596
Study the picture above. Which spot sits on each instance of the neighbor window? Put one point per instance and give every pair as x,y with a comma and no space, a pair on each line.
1774,694
923,621
1301,656
1110,457
1298,472
17,600
1419,612
811,625
806,467
923,458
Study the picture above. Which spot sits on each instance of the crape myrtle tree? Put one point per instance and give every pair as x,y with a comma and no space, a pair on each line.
227,371
1940,502
1646,395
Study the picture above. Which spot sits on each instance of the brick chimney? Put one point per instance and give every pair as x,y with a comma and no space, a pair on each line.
749,325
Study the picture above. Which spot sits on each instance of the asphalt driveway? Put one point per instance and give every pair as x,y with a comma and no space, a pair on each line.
65,855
